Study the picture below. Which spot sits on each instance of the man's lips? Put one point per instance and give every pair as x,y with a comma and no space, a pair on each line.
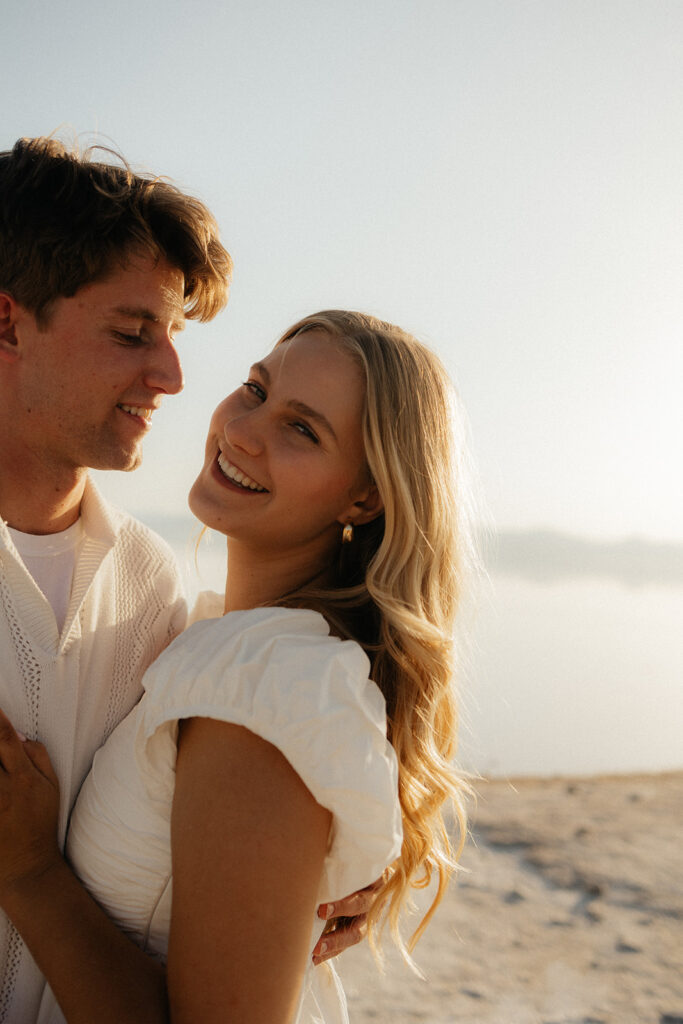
143,413
235,475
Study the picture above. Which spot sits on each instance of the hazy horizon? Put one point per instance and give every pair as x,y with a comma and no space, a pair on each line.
542,554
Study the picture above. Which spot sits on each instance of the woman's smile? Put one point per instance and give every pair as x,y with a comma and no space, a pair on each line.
236,476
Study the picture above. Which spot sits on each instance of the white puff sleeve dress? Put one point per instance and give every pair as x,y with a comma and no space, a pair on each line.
279,673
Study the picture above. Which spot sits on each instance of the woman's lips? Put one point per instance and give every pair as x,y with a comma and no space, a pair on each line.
235,476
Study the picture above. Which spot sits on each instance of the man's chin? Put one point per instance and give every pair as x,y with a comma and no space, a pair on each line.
133,463
129,469
120,461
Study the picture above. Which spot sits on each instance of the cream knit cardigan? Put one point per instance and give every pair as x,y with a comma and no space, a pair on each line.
70,691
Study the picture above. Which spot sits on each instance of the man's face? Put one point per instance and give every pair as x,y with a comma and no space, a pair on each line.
90,380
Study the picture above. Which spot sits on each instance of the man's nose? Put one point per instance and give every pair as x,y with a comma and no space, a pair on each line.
165,372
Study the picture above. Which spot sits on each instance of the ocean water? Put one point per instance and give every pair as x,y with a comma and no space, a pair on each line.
577,676
564,673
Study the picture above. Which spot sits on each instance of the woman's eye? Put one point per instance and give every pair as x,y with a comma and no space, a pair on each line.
255,389
306,431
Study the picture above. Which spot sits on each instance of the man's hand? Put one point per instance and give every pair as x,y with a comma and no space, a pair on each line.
347,922
29,807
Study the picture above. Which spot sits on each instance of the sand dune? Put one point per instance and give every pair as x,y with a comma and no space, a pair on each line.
569,910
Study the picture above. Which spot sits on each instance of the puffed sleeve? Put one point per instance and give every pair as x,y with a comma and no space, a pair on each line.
278,673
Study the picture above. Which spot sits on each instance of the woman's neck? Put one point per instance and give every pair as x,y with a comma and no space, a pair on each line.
257,581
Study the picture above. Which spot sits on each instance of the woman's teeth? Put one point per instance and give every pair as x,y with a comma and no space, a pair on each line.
237,476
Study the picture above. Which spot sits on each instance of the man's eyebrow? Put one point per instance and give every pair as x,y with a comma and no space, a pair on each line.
142,313
300,407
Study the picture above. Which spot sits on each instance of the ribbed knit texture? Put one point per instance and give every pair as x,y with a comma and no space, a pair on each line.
70,690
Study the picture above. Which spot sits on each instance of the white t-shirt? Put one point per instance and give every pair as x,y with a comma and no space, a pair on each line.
51,560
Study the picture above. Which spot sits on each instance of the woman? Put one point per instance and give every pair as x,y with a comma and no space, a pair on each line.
255,780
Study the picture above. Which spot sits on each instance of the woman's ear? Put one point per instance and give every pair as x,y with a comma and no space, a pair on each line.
365,508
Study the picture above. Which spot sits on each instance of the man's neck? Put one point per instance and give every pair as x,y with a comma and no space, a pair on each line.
41,510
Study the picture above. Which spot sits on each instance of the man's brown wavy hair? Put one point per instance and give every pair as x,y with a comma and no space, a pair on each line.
67,220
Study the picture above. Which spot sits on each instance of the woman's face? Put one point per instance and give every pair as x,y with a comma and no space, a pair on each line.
284,462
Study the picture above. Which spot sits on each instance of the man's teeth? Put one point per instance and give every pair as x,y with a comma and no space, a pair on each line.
138,410
237,476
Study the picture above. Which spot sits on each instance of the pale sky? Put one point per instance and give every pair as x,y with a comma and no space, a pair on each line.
504,179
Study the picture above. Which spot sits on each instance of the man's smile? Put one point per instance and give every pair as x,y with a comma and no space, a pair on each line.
142,412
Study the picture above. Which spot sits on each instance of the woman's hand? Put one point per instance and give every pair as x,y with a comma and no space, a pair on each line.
29,807
347,922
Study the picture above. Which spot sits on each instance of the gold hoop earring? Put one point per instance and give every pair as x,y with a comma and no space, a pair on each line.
347,533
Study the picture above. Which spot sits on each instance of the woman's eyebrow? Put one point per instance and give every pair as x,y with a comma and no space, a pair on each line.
311,414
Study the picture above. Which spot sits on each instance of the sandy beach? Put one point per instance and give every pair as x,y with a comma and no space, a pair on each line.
568,910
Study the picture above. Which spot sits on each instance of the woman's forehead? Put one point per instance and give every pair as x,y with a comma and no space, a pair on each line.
316,368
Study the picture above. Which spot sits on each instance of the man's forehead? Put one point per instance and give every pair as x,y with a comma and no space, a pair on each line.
146,289
172,309
174,298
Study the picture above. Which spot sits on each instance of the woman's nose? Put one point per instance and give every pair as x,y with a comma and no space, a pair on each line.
244,433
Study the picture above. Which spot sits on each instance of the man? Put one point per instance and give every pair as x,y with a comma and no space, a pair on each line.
99,268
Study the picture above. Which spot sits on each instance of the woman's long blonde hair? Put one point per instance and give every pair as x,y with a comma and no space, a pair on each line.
397,588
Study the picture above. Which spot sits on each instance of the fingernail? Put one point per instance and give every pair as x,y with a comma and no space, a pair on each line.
326,911
21,736
323,949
